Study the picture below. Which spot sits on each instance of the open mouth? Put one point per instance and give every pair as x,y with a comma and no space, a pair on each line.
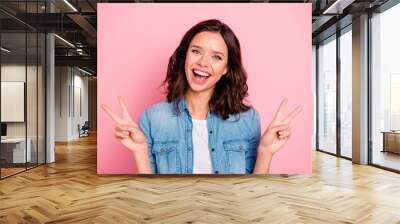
200,74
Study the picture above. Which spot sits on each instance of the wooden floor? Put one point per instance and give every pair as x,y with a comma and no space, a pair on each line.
5,172
388,159
70,191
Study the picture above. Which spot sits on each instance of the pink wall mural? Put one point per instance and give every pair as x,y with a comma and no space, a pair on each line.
136,40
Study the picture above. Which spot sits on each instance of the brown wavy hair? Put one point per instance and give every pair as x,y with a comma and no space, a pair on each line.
230,91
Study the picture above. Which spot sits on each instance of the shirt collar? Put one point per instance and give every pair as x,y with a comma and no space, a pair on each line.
182,106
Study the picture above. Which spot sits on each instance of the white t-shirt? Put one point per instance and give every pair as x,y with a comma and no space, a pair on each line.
201,155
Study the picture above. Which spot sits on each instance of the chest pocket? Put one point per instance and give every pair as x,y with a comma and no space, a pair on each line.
166,154
235,151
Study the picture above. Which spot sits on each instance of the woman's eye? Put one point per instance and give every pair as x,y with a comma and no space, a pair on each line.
217,57
194,51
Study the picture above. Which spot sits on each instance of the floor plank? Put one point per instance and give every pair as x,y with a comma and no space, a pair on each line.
70,191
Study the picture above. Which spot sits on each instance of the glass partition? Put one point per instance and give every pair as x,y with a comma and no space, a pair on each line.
327,95
13,103
22,77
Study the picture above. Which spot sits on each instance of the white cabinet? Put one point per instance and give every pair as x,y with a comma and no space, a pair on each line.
18,149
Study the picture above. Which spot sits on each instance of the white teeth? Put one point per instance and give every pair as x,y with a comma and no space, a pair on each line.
201,73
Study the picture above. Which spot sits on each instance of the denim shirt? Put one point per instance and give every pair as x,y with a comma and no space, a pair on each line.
232,143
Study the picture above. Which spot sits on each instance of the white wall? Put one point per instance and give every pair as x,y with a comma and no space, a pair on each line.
81,102
62,81
71,93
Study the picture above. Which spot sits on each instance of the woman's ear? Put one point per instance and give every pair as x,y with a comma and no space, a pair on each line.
225,71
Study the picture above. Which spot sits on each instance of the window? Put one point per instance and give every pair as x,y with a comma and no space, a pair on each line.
346,75
385,88
327,95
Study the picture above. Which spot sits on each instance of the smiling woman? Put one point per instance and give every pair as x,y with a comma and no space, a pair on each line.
207,48
204,126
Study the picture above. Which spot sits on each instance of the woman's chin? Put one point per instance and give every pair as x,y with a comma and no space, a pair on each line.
198,88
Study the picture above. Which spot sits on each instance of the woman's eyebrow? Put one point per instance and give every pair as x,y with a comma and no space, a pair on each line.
217,52
196,46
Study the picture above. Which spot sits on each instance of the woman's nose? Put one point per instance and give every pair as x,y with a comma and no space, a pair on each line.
203,61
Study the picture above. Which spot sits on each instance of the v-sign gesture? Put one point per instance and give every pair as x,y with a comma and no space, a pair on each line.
279,130
130,135
126,130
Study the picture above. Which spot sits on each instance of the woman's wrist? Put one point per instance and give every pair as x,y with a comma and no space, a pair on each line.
140,150
264,152
263,161
141,156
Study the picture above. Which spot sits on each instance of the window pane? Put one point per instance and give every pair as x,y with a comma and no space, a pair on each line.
346,94
385,88
314,75
327,96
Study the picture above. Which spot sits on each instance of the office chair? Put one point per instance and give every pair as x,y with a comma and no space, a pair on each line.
84,130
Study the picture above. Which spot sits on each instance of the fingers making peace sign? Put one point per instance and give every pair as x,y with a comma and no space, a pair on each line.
279,130
126,130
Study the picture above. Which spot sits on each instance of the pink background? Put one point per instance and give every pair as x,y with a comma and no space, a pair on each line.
136,40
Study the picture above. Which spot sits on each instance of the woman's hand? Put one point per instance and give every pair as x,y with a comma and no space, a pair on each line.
126,130
130,135
279,130
276,135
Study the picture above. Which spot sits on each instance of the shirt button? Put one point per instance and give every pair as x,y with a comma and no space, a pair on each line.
190,148
216,172
211,132
213,149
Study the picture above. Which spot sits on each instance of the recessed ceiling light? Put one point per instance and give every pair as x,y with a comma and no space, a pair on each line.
70,5
84,71
5,50
64,40
337,7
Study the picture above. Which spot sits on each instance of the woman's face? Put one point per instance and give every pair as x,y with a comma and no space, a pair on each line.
206,61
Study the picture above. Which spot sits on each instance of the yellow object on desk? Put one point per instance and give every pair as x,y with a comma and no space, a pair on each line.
391,141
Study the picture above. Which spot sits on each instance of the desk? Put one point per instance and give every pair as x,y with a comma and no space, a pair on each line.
391,141
16,147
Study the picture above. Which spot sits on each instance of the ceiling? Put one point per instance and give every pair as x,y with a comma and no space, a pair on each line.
76,22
